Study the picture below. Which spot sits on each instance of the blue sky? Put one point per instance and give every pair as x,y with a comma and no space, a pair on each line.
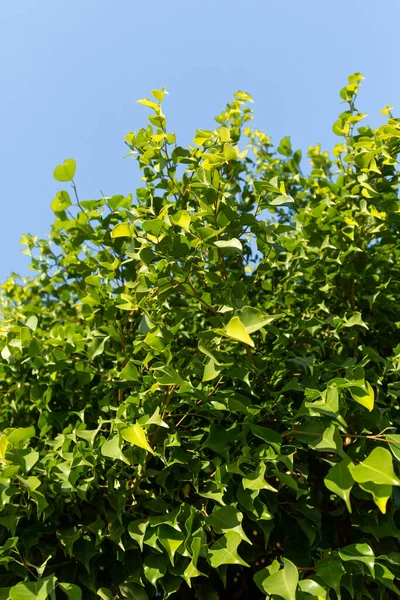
72,71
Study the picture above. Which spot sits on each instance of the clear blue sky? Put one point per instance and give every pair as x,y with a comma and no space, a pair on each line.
71,72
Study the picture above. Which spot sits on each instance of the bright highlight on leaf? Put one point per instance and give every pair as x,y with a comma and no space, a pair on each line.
136,435
377,468
237,331
121,230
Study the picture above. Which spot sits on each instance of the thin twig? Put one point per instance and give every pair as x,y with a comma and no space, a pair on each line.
343,435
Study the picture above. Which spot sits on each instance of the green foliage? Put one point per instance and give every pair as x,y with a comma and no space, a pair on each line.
200,384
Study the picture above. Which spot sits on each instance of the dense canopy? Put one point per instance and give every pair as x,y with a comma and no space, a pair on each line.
199,383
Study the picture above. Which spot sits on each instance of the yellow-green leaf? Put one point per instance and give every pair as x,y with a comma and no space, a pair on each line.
136,435
3,448
149,103
224,134
376,468
230,152
237,331
182,219
121,230
66,171
365,397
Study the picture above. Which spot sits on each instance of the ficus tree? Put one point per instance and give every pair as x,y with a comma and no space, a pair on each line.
200,382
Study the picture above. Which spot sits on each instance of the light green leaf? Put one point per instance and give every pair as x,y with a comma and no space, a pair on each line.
61,202
230,152
361,553
224,551
121,230
340,481
232,244
308,586
111,449
33,590
182,219
190,572
66,171
364,396
253,319
32,322
129,372
136,435
3,448
149,103
224,134
211,371
395,447
377,468
282,583
331,441
355,319
202,136
237,331
256,481
105,594
137,531
159,94
380,493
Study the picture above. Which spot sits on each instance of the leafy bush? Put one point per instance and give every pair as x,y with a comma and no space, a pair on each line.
200,384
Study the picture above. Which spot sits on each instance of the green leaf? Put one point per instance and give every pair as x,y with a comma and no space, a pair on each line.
227,518
129,373
66,171
211,371
331,571
339,480
237,331
376,468
331,441
285,147
365,397
72,591
232,244
137,531
380,493
224,551
155,566
3,447
283,583
159,94
61,202
170,539
136,435
230,152
224,134
355,319
253,319
395,447
359,553
256,481
308,586
182,219
121,230
149,103
35,590
111,449
202,137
